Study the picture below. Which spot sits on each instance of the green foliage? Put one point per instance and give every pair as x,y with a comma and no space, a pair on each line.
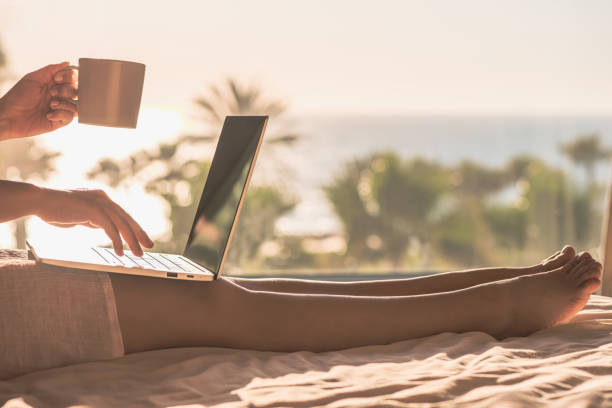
359,223
263,205
587,151
473,179
508,224
383,201
456,237
457,212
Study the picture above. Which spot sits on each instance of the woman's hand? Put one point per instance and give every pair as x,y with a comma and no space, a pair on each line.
94,209
40,102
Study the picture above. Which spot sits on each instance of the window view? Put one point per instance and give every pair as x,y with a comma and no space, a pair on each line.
409,137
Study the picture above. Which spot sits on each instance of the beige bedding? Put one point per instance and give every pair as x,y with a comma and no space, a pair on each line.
566,366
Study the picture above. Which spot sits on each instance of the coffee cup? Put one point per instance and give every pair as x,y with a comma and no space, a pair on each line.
109,92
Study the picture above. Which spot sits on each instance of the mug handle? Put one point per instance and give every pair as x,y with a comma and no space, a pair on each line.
76,68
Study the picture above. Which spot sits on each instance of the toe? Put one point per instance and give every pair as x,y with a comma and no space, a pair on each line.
573,264
589,286
557,260
583,265
592,271
569,251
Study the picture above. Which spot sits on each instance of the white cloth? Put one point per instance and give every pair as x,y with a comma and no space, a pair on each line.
52,317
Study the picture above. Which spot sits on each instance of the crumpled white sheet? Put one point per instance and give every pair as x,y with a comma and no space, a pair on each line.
565,366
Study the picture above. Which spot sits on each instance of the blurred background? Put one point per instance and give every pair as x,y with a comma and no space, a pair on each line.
406,137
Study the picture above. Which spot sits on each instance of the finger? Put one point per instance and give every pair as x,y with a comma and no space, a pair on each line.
46,73
64,104
64,224
60,117
63,91
99,218
67,75
141,235
124,229
122,224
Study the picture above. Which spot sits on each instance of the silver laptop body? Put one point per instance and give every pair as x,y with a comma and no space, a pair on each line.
214,221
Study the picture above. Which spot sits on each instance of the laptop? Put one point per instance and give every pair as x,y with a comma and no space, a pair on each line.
213,223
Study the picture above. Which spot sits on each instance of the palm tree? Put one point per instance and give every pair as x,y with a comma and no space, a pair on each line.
587,151
235,98
23,160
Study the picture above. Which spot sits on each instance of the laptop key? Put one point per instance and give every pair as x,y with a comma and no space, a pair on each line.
167,266
154,264
138,261
108,259
176,264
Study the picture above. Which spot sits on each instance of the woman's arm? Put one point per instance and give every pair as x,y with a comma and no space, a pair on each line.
18,200
67,208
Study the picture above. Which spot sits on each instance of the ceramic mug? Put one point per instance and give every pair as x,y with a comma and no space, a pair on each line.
109,92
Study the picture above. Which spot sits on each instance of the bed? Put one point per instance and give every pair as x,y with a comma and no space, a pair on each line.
564,366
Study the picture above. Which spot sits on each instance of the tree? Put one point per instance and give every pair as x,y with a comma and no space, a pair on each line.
23,160
474,184
181,171
350,204
587,151
383,202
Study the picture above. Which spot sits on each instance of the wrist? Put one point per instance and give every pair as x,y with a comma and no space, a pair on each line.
5,122
37,196
19,200
33,197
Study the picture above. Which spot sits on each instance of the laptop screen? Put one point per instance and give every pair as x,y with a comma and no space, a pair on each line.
224,189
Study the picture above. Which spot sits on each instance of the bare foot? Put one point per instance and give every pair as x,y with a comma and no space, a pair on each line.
556,260
534,302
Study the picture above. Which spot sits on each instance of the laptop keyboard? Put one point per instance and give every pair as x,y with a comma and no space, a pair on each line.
150,260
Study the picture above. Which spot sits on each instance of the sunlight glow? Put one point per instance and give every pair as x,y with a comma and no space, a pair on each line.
82,146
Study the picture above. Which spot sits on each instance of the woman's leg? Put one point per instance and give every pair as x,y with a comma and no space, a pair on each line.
157,313
442,282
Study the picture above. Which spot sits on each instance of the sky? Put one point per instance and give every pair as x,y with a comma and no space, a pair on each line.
339,57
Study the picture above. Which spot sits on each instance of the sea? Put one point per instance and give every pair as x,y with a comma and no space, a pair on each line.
327,143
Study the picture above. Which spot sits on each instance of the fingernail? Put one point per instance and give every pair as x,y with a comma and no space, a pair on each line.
53,92
54,104
49,115
58,78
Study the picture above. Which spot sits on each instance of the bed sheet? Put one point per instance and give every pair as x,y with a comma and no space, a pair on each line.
564,366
